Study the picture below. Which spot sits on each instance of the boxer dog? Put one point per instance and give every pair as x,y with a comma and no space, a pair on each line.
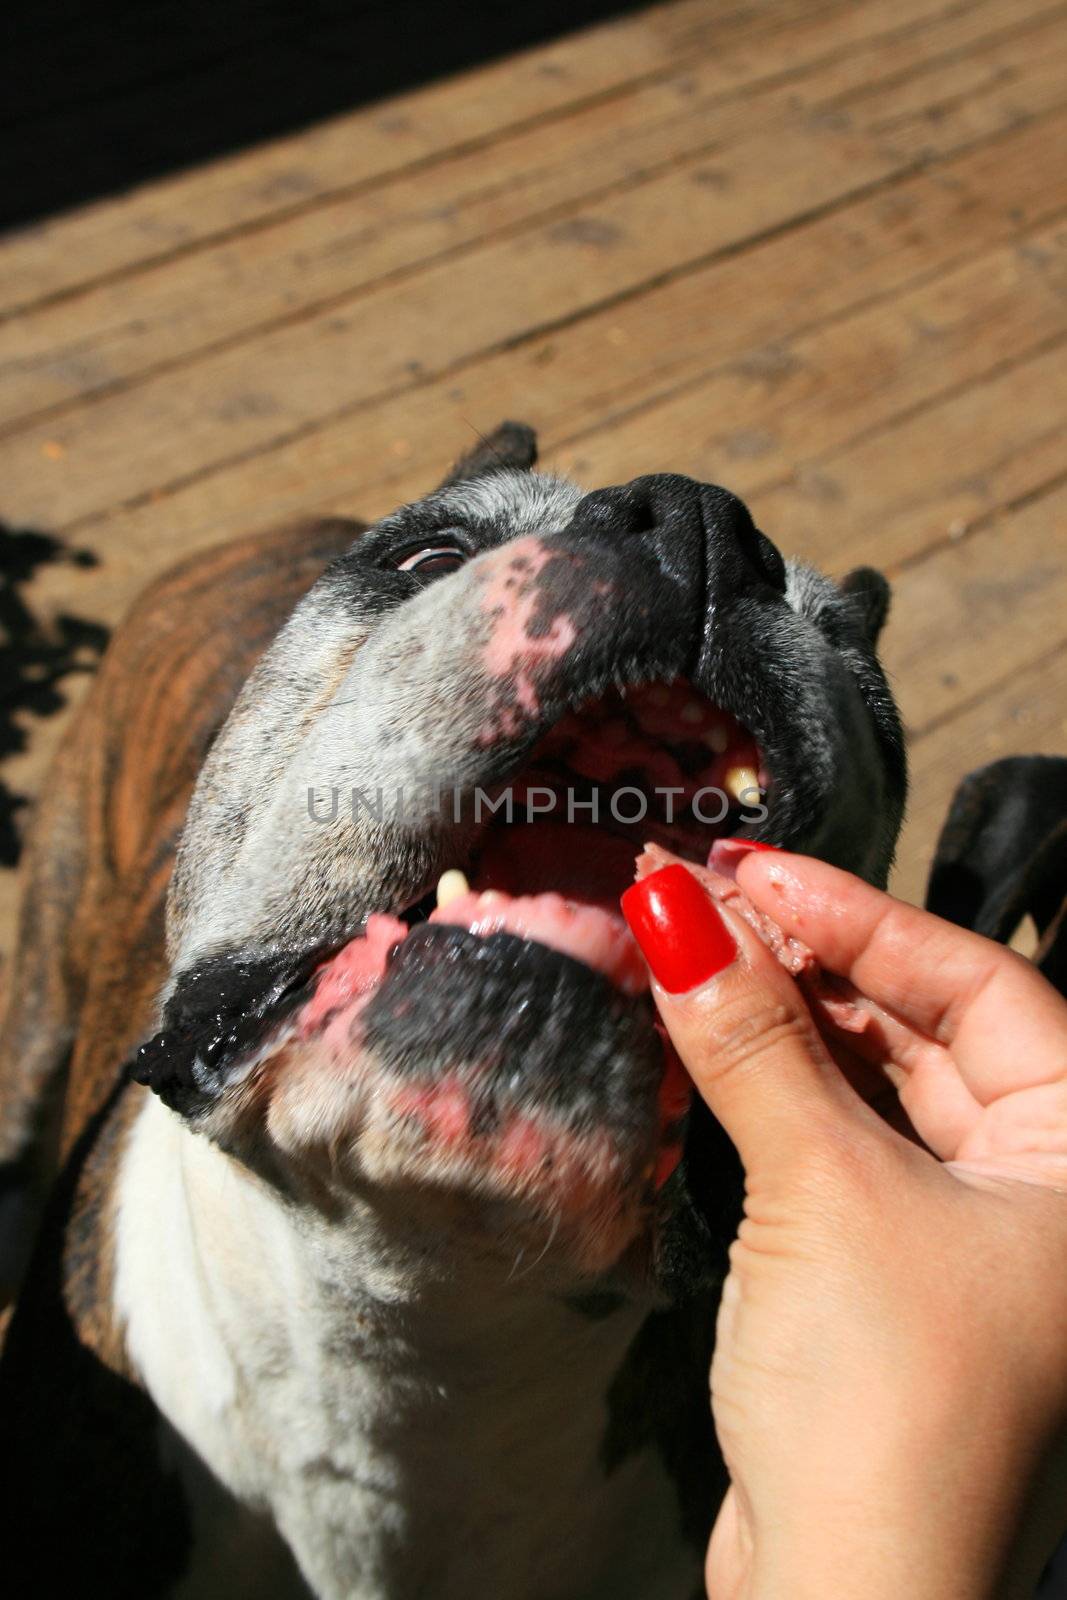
381,1257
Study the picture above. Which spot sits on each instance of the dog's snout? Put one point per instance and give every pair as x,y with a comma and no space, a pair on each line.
738,553
700,535
619,512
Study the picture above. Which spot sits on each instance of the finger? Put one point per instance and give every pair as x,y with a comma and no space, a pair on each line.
739,1024
950,986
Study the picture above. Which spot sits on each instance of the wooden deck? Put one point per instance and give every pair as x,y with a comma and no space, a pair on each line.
812,249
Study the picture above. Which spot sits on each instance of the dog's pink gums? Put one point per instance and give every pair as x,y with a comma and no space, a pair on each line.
353,973
589,934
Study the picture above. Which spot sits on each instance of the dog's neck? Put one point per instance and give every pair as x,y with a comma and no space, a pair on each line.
411,1432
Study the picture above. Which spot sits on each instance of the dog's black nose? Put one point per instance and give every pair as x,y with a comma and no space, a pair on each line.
699,534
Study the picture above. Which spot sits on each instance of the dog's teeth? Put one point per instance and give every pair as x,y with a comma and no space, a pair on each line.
450,886
742,783
717,739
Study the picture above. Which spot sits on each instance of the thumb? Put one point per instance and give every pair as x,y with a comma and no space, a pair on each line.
738,1022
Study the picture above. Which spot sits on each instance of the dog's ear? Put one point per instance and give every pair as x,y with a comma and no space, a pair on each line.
511,444
869,594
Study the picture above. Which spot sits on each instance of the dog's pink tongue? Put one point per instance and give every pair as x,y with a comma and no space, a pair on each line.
588,933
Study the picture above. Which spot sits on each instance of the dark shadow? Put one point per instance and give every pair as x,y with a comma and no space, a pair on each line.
85,1442
102,96
34,658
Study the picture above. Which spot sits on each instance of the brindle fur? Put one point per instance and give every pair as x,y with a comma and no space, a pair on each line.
110,813
82,991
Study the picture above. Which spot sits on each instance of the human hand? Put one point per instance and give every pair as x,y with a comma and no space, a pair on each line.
889,1384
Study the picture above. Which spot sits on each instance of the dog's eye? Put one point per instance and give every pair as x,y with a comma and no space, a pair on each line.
432,560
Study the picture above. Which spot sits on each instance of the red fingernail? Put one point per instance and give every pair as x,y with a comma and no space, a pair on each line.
725,855
681,934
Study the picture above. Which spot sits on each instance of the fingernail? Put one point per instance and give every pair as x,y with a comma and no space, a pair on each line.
682,936
725,855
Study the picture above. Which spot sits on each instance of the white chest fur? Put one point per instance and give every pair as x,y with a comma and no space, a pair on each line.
411,1430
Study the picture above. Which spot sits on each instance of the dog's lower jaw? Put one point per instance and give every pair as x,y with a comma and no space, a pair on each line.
409,1433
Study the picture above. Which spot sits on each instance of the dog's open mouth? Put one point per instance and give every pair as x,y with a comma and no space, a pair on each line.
659,763
536,899
558,839
500,1026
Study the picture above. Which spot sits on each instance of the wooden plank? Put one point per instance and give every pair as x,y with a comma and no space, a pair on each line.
958,630
799,398
124,327
295,378
378,141
927,479
731,312
977,651
1027,715
976,648
1019,74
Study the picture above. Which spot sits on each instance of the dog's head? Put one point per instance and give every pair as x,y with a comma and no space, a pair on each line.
517,683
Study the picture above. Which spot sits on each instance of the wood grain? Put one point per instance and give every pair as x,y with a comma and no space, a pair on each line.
330,253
